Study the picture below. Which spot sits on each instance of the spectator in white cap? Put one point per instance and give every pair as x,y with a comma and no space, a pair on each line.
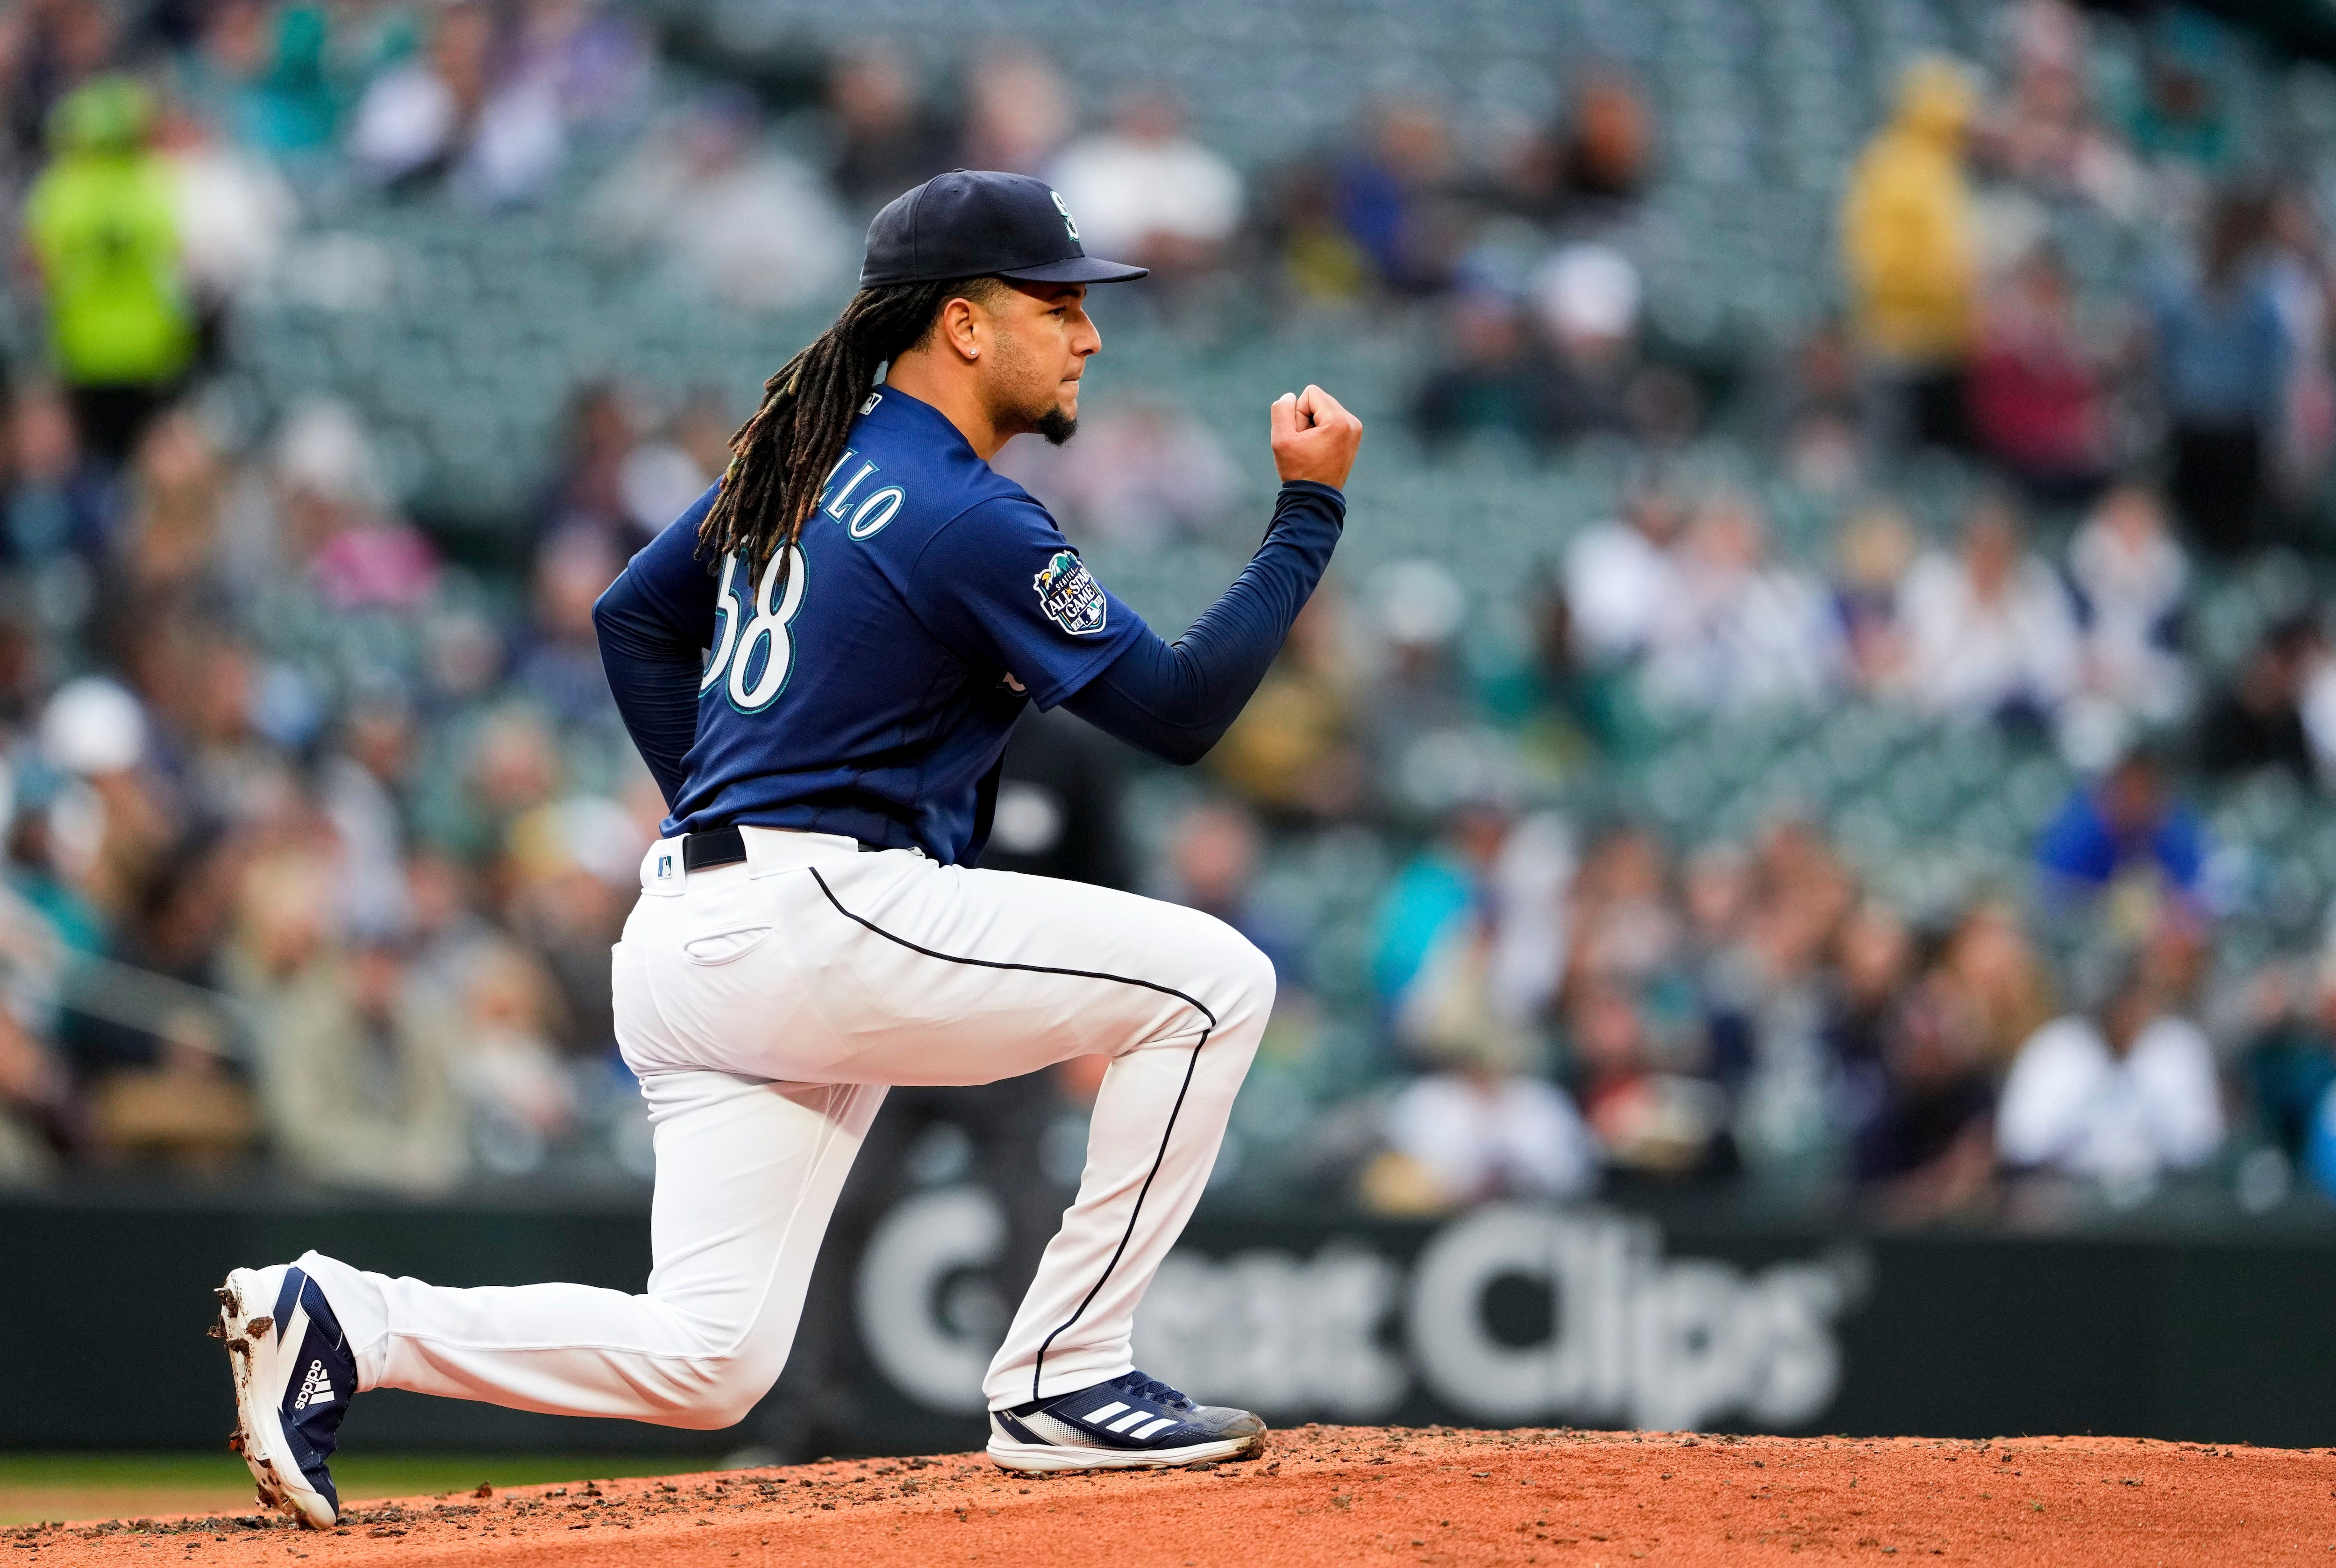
92,726
1587,298
109,825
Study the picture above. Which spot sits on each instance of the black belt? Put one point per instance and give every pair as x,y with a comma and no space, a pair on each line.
726,847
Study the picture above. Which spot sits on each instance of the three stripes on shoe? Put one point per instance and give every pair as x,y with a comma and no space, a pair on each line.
1126,1425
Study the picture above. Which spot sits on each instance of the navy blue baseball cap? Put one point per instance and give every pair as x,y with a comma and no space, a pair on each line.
976,223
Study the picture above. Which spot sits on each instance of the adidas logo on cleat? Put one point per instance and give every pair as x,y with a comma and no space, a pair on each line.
316,1389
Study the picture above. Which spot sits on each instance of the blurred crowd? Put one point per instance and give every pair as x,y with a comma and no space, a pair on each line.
1566,1003
1598,1008
317,839
319,820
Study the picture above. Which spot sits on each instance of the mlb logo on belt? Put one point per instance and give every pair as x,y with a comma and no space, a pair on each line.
1069,594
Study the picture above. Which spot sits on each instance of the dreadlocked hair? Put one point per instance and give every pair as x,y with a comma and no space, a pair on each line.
781,458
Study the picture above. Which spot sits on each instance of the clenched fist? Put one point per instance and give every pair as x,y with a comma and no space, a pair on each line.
1314,438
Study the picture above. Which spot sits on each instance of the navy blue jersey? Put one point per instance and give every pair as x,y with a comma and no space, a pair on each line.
928,601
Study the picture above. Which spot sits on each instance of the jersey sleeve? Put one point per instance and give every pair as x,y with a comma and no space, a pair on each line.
1001,587
653,624
1175,700
672,584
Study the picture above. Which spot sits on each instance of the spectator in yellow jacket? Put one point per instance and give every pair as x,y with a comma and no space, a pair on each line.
102,221
1909,252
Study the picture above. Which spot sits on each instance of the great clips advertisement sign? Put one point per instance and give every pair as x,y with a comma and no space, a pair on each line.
1508,1316
1518,1314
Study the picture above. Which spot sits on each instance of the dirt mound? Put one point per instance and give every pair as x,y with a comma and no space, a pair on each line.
1340,1494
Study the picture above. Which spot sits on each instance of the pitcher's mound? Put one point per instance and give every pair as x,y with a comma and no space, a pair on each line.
1324,1495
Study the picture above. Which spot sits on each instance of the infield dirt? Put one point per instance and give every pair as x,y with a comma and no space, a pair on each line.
1340,1494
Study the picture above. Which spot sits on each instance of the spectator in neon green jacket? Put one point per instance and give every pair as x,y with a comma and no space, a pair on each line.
102,225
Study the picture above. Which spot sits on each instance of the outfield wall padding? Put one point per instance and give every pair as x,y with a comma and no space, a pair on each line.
1511,1315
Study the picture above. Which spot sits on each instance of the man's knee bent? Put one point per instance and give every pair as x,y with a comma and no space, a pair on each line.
717,1391
721,1378
1239,985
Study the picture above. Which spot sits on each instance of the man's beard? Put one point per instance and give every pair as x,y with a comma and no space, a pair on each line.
1056,426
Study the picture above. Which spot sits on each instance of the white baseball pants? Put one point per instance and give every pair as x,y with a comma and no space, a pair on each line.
766,1006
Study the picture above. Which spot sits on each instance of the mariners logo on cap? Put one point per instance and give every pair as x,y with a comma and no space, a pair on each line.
1069,594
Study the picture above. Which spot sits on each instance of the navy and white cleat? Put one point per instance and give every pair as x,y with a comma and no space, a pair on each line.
1131,1423
294,1376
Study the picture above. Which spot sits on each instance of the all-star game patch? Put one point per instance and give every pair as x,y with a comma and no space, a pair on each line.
1069,594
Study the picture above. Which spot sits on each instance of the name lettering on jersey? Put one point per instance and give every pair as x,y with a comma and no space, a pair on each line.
875,512
1070,596
837,503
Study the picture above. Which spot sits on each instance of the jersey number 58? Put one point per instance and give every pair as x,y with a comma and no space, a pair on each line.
757,651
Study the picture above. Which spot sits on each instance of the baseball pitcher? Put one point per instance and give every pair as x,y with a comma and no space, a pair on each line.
820,661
